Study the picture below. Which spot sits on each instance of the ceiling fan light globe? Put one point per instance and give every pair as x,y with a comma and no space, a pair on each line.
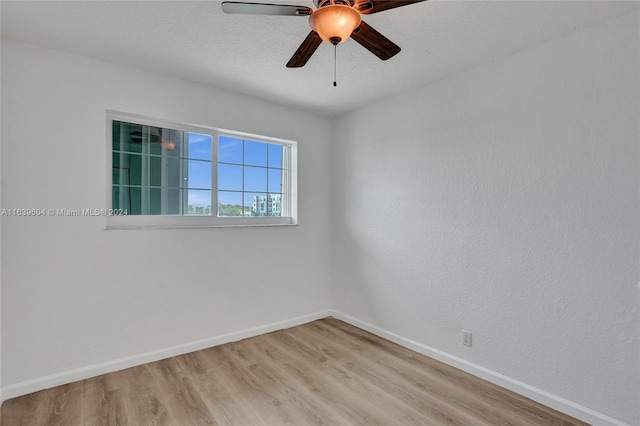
169,145
335,22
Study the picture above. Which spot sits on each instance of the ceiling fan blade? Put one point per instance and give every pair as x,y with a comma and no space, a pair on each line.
304,52
367,7
265,9
375,42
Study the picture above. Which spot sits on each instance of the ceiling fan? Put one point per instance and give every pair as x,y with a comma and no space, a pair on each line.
154,135
334,21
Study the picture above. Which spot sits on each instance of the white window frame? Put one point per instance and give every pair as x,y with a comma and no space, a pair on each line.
195,221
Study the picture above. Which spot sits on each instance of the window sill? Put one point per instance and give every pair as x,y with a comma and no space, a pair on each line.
189,222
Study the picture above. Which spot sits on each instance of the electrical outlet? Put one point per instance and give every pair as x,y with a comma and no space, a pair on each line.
466,338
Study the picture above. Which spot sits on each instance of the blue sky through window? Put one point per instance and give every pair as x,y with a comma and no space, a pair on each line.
199,170
199,146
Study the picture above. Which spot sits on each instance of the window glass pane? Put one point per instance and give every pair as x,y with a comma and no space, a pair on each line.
147,201
130,137
120,176
127,137
257,202
275,180
151,140
129,165
173,178
230,204
135,194
199,202
229,150
199,146
230,197
263,204
173,201
274,204
121,196
255,179
154,201
229,177
155,171
275,155
199,174
173,153
255,153
262,177
150,178
166,141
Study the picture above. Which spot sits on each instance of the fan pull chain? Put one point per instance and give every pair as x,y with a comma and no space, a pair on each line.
335,61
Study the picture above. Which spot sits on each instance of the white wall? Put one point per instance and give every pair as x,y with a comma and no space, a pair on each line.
1,399
75,295
505,201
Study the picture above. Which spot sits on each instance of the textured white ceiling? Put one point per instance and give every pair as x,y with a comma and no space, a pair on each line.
195,40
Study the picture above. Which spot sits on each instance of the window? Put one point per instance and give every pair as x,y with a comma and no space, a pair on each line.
252,178
169,175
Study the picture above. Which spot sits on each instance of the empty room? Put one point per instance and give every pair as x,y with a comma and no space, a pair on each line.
354,212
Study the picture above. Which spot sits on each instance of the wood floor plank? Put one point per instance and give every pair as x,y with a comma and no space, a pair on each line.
503,407
172,387
101,406
313,386
217,389
21,411
409,404
332,384
325,372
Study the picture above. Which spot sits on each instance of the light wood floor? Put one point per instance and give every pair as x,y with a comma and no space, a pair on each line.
324,372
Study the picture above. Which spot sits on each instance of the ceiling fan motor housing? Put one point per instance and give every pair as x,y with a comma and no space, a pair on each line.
334,23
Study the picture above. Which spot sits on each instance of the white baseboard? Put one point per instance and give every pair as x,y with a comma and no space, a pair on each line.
564,406
57,379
